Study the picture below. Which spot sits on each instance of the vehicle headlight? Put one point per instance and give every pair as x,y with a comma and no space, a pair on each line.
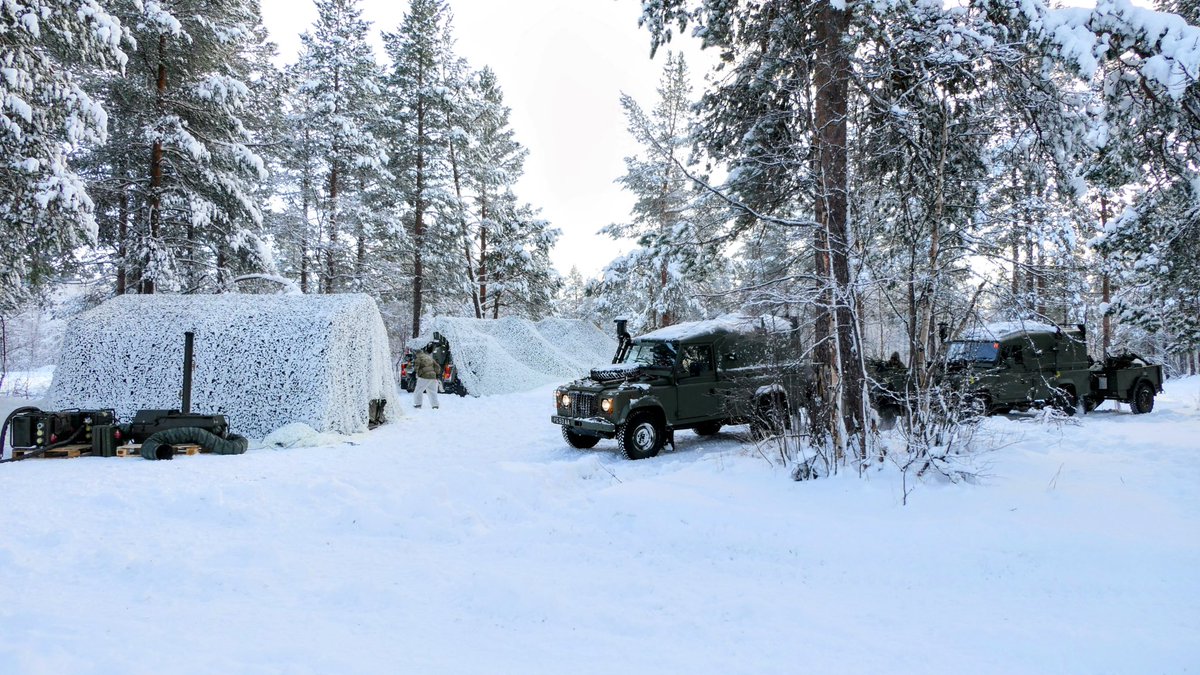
565,400
606,405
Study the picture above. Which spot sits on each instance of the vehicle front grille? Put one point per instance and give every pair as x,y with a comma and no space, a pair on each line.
583,405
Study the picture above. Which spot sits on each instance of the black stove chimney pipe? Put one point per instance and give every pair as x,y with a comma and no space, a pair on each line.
187,372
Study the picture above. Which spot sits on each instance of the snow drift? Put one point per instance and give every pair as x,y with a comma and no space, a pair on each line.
263,361
508,355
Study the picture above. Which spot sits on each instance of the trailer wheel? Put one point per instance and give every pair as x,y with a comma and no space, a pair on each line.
579,441
1143,398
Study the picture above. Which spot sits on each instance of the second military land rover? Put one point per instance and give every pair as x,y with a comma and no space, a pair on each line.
1021,365
699,375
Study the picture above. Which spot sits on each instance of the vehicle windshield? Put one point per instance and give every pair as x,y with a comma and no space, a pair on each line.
976,352
652,354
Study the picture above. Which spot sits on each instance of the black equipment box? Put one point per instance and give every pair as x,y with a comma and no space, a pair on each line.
148,422
37,429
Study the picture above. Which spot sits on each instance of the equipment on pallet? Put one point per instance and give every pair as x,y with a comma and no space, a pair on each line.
34,432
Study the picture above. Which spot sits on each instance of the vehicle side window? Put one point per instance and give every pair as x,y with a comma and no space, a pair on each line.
1013,352
697,360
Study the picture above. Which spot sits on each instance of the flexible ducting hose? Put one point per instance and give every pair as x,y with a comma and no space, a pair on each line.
161,445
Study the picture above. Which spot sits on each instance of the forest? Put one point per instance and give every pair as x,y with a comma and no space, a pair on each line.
867,170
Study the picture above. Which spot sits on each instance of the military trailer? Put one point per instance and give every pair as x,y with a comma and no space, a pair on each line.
700,375
1017,366
448,372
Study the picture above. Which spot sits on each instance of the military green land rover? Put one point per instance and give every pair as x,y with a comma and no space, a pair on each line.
1021,365
700,375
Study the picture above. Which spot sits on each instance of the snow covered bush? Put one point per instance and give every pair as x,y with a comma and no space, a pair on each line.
262,361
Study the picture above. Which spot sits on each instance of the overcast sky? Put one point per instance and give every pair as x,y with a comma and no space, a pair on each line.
562,65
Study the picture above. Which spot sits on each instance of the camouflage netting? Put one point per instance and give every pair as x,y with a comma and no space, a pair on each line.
508,355
263,361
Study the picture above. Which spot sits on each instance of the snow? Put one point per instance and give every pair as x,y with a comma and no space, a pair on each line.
513,354
1001,330
470,539
1082,36
261,360
730,323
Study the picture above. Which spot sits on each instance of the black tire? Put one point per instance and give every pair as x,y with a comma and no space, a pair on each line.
707,428
641,436
409,385
1090,404
1065,401
771,418
1142,400
579,441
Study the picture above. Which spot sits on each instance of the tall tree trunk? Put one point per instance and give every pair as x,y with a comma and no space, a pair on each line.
1015,238
419,220
334,178
1105,286
156,170
841,358
925,328
332,220
305,189
1042,273
122,235
483,249
464,233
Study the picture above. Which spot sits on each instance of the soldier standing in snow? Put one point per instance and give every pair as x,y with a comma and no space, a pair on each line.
427,374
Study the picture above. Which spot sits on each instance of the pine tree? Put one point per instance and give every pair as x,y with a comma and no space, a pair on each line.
421,122
674,222
338,78
45,115
192,213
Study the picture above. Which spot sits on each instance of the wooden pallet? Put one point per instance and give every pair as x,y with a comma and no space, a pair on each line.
135,450
65,452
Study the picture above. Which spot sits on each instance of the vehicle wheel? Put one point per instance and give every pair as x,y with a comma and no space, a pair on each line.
771,419
1143,398
707,429
579,441
1090,404
1065,401
409,385
640,437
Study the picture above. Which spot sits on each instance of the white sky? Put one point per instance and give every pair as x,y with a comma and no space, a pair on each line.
562,65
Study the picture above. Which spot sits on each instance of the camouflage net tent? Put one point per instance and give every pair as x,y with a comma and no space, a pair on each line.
501,356
263,361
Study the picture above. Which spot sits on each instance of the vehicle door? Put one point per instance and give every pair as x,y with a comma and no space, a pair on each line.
1043,366
696,384
1012,381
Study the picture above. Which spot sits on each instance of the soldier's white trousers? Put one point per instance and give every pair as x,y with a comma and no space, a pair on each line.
424,385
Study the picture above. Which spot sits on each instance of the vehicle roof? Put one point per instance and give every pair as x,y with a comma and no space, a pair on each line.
728,323
1002,330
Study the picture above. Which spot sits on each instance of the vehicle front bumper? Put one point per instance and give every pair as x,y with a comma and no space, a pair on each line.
585,424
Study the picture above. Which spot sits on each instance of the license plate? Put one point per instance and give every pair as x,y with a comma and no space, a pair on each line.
560,420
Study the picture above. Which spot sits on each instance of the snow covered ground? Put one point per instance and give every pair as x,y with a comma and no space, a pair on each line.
470,539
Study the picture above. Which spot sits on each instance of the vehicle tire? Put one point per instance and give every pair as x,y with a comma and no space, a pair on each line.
771,418
641,436
409,385
1065,401
1090,404
707,428
1142,401
579,441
